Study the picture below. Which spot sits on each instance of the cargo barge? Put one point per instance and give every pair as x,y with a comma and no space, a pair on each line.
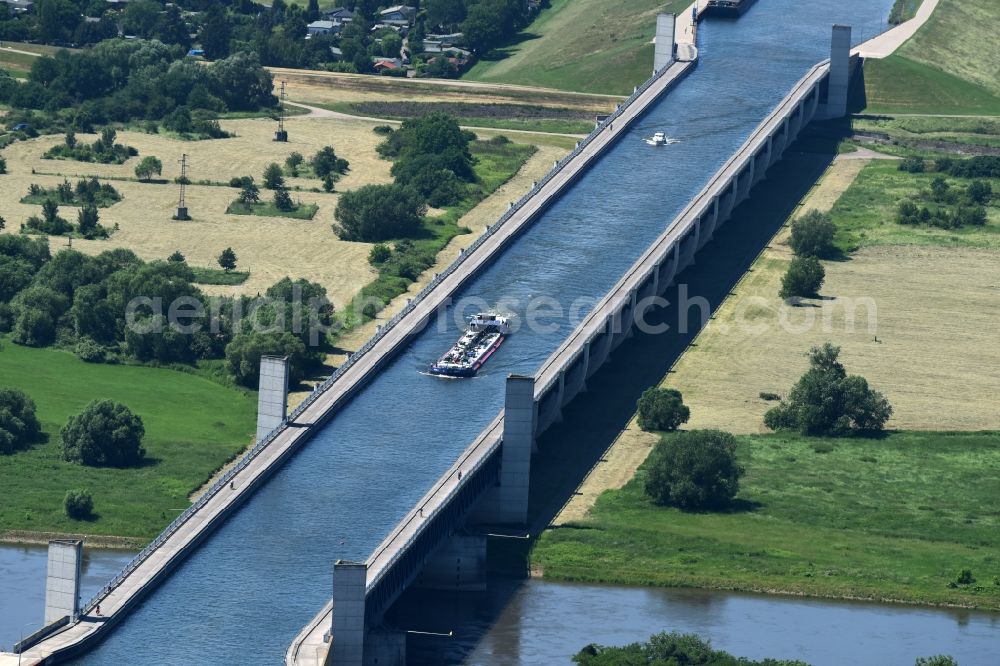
728,8
484,336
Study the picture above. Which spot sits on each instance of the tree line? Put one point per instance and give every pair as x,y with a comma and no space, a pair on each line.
81,302
122,80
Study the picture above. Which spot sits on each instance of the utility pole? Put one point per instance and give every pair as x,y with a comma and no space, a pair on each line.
281,134
182,211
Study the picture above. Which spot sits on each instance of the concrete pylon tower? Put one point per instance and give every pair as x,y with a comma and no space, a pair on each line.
272,395
62,584
348,630
840,72
663,52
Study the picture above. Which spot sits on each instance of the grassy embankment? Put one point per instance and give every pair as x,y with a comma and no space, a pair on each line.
888,519
495,164
583,45
193,427
948,67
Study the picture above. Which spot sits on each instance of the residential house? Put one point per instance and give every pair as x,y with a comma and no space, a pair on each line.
19,6
401,15
320,28
380,64
339,15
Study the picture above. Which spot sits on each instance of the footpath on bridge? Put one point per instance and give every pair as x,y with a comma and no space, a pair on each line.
168,550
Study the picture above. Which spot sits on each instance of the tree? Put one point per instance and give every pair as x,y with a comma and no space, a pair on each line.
694,470
293,162
273,178
803,278
3,222
214,35
828,401
88,221
936,660
249,193
327,187
57,20
661,409
979,192
375,213
15,275
444,13
78,504
244,351
148,167
70,139
283,200
812,235
177,257
326,163
19,426
669,649
104,434
227,260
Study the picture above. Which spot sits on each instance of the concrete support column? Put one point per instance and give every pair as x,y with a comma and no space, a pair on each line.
507,504
62,584
840,72
348,631
459,565
272,396
663,51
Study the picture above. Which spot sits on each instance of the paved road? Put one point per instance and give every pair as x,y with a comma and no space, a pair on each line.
890,40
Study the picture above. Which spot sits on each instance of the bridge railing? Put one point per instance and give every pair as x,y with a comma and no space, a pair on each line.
544,377
383,330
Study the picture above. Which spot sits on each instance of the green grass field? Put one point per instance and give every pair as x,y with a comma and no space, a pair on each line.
193,427
581,45
890,519
865,213
218,276
948,66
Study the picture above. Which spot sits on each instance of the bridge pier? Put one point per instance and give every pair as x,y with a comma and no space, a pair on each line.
459,565
840,72
348,631
507,503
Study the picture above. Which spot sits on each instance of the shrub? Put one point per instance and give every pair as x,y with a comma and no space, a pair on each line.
979,192
803,278
19,426
177,257
936,660
104,434
240,181
383,130
90,351
828,401
662,409
283,200
325,163
767,395
912,165
292,164
812,235
379,254
694,470
78,504
822,447
965,577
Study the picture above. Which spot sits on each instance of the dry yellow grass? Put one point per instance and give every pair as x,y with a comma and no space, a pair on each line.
270,248
331,87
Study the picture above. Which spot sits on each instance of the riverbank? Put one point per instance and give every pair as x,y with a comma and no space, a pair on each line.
890,520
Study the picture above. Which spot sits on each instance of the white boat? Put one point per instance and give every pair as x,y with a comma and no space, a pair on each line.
661,139
484,336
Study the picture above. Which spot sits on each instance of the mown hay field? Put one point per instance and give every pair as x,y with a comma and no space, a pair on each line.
269,247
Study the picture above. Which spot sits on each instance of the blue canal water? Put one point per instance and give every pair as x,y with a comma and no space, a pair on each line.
245,594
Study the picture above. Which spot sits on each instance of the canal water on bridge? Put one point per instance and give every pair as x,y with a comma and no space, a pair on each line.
255,583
